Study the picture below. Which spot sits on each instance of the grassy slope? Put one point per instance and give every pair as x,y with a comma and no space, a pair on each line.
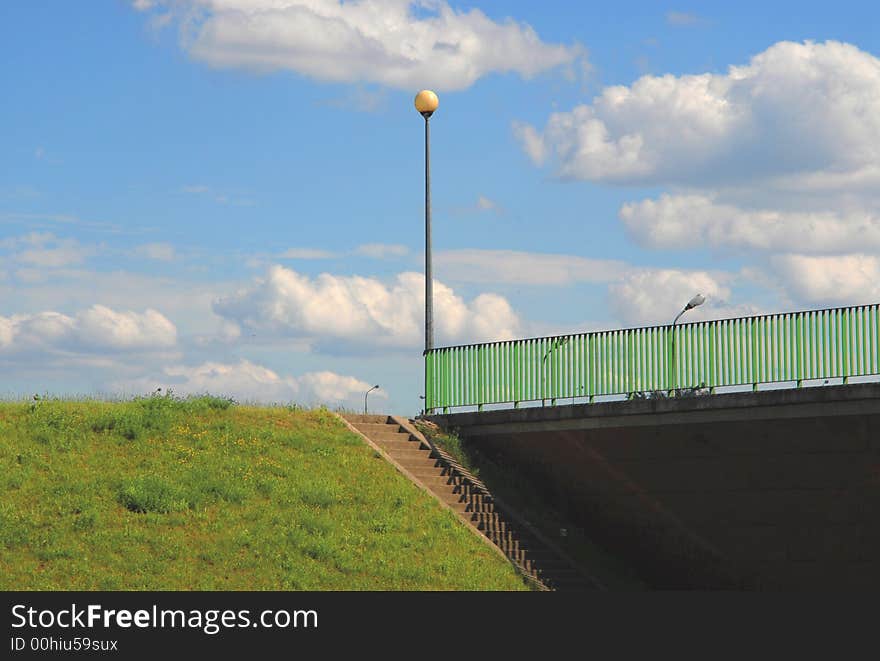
166,494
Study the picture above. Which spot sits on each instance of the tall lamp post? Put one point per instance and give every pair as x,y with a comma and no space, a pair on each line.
698,299
426,104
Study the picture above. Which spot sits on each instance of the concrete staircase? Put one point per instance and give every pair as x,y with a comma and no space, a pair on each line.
536,557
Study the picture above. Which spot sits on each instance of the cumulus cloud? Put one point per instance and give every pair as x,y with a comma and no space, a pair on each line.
795,110
830,280
655,296
693,221
382,250
96,329
306,253
407,44
525,268
247,381
338,312
331,387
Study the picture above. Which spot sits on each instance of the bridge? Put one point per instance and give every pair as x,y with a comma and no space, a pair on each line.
697,452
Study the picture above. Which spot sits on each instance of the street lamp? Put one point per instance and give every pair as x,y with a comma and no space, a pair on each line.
365,397
426,104
698,299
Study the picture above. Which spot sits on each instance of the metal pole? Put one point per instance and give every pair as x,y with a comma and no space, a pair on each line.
429,278
674,362
365,397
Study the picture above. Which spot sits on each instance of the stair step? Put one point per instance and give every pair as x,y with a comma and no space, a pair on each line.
390,436
354,418
370,428
441,487
460,508
479,508
469,505
409,453
488,518
414,463
457,490
401,445
434,476
509,538
452,491
495,526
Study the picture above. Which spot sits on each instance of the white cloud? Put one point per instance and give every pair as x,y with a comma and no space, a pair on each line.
407,44
247,381
331,387
95,329
382,250
306,253
695,221
525,268
781,155
7,332
163,252
864,180
532,142
101,327
244,380
48,251
655,296
830,280
340,312
796,110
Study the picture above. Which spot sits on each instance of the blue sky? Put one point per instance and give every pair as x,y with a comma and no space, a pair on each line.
226,195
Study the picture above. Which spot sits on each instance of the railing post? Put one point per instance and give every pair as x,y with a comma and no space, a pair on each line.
846,347
754,323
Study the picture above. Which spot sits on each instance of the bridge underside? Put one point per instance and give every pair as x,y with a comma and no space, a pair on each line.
768,490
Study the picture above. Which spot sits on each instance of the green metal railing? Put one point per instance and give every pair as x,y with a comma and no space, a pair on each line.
795,346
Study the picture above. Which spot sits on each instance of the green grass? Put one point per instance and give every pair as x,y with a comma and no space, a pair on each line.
164,493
